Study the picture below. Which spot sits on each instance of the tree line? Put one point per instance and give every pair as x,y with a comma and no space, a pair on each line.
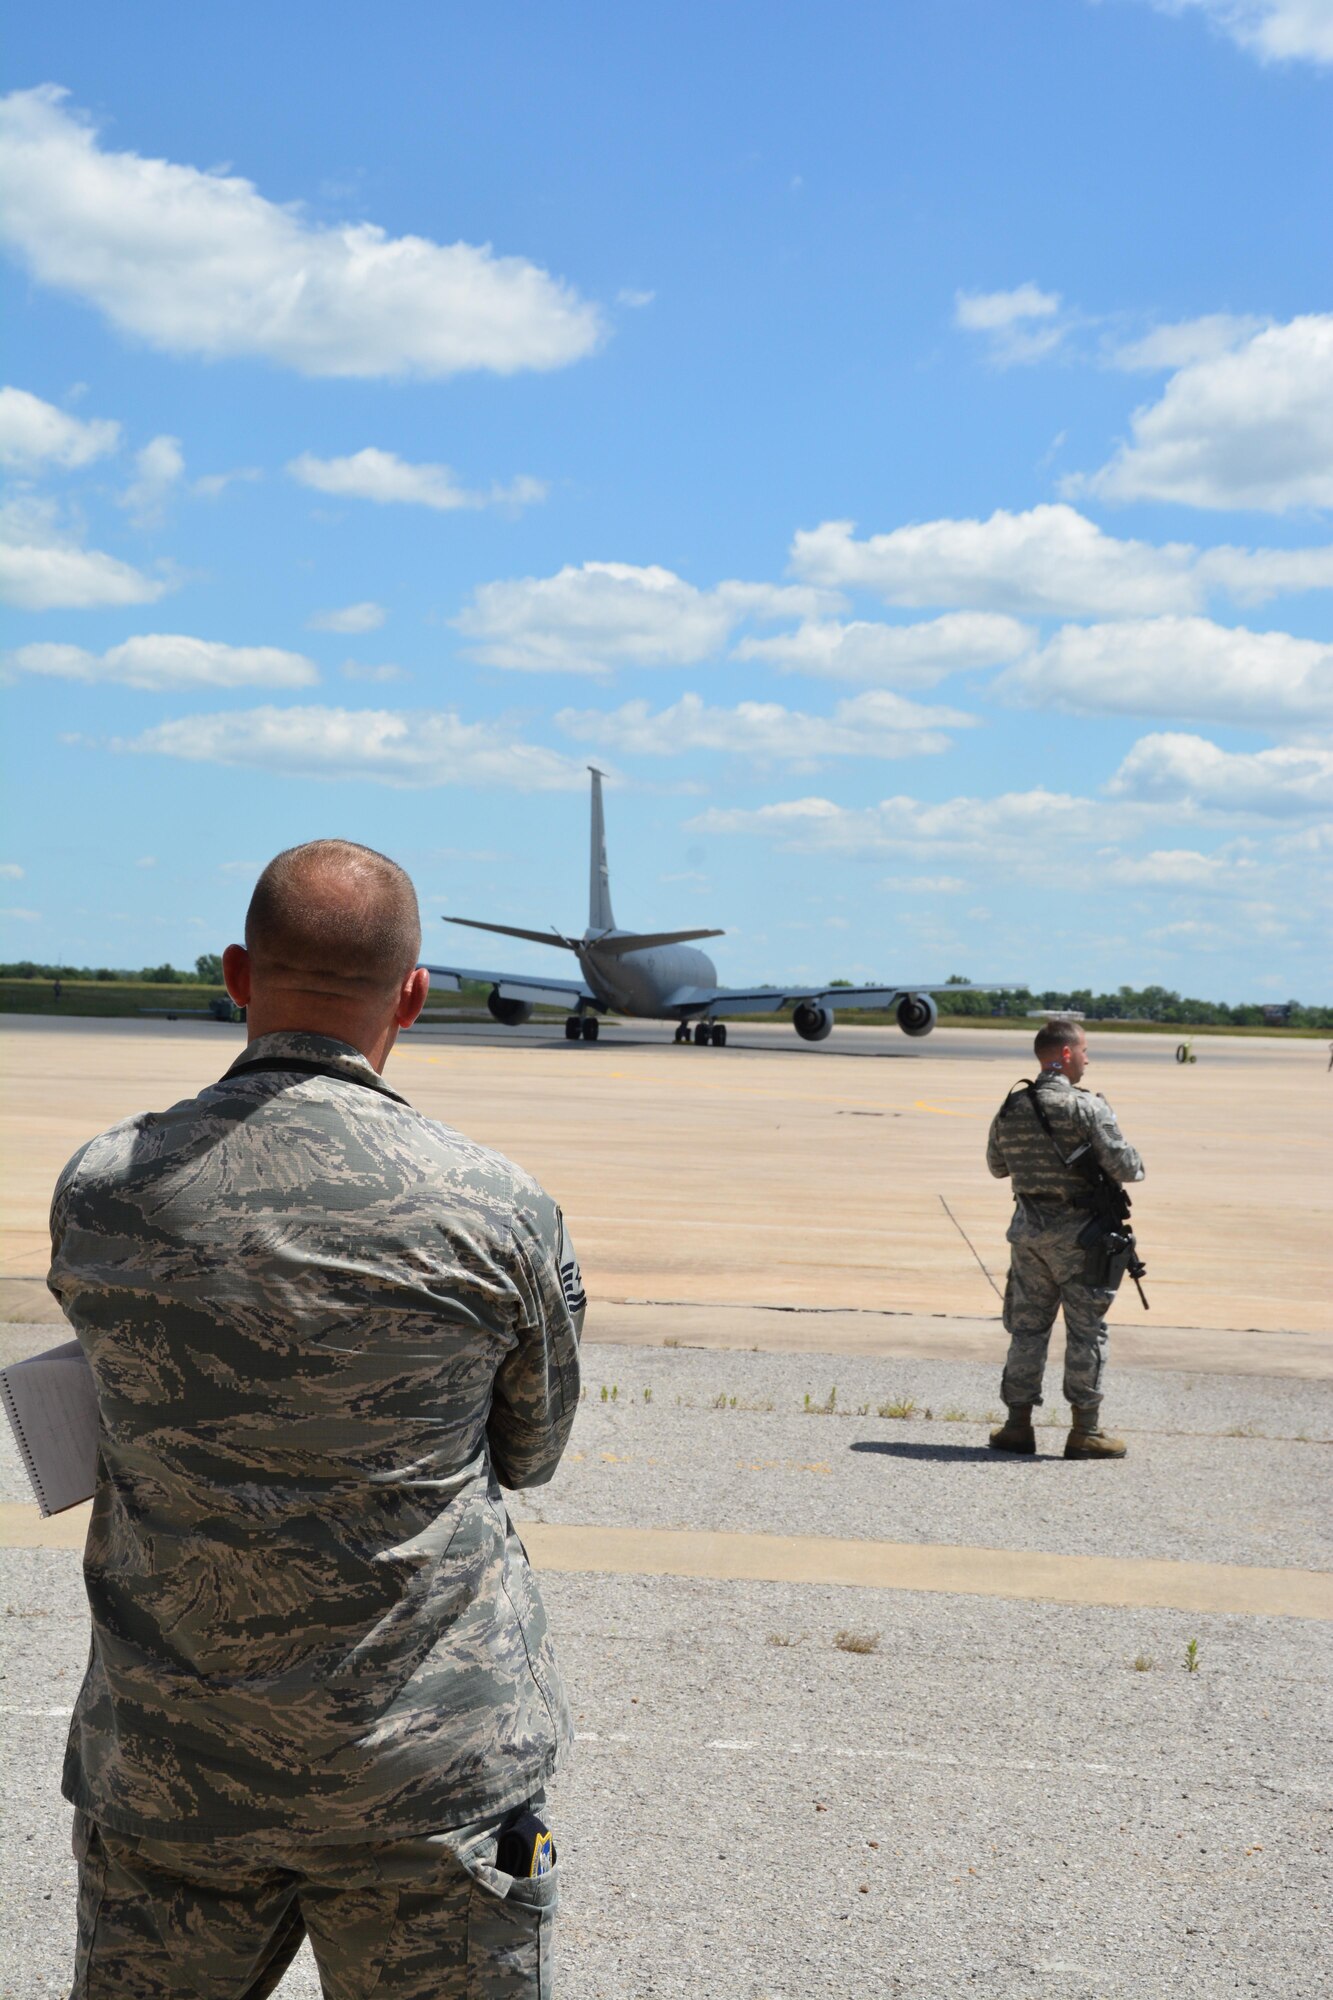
1133,1003
207,972
1127,1003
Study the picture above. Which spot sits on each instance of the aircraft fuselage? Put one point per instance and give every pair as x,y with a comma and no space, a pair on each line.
639,983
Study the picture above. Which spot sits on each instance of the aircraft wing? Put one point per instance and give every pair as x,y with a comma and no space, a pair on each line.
513,985
771,999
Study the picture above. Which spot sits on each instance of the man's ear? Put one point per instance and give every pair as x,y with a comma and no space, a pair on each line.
412,997
236,973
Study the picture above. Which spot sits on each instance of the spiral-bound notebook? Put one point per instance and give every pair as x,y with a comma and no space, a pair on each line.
51,1402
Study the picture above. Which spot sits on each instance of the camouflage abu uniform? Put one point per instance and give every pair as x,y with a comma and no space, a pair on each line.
323,1328
1048,1267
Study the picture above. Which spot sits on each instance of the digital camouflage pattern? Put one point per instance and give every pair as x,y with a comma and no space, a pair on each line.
323,1328
425,1918
1048,1267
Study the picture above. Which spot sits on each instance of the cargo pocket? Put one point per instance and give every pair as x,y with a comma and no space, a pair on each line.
510,1939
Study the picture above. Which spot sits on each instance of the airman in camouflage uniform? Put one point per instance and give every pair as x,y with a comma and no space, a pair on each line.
324,1329
1050,1267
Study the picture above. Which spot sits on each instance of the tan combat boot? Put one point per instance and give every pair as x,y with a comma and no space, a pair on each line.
1016,1432
1087,1439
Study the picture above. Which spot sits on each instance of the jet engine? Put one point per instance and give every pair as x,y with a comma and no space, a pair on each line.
510,1013
812,1022
917,1014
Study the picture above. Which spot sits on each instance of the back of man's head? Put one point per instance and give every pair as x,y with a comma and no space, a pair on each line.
335,921
1059,1033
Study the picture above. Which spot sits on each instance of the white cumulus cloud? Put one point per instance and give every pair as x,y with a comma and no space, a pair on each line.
375,745
34,434
1273,30
168,660
595,616
1012,828
10,871
1188,668
901,656
365,617
1022,324
1179,770
1050,559
43,569
1252,427
876,724
1177,868
924,885
201,263
158,470
1252,575
1186,340
387,479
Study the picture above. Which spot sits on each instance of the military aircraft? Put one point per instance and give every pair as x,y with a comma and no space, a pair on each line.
655,976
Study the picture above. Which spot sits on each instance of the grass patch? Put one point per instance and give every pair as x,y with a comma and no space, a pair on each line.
856,1642
900,1406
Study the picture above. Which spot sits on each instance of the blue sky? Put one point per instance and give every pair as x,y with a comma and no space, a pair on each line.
896,442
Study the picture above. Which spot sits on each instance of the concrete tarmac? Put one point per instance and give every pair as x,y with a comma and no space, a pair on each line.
862,1707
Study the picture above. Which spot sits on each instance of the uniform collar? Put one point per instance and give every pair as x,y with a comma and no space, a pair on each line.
335,1058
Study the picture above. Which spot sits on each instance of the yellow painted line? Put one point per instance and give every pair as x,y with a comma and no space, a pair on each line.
1028,1575
920,1104
932,1566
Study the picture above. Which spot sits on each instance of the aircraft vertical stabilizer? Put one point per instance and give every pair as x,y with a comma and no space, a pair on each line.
599,880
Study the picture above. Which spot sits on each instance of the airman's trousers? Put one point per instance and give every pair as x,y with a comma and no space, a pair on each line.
1047,1273
429,1918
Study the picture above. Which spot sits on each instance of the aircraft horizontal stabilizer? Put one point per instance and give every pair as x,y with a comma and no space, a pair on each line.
617,946
513,930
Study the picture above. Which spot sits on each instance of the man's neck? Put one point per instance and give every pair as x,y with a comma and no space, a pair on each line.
373,1042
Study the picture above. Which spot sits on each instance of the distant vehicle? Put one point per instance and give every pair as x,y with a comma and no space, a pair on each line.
655,976
219,1009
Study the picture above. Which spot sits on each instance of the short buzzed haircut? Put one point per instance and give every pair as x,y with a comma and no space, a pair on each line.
334,917
1058,1033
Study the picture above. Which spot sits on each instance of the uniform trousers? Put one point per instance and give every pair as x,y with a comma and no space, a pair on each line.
427,1918
1048,1273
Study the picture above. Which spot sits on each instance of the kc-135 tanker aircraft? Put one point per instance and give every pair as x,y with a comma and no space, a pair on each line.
655,976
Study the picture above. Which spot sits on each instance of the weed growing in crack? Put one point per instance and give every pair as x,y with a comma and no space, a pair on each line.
856,1642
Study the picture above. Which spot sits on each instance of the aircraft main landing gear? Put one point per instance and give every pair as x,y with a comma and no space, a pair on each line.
682,1033
573,1027
591,1027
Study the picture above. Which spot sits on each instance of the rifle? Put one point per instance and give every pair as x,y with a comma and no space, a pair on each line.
1108,1226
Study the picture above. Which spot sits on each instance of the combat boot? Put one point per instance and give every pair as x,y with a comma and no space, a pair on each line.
1016,1432
1087,1439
